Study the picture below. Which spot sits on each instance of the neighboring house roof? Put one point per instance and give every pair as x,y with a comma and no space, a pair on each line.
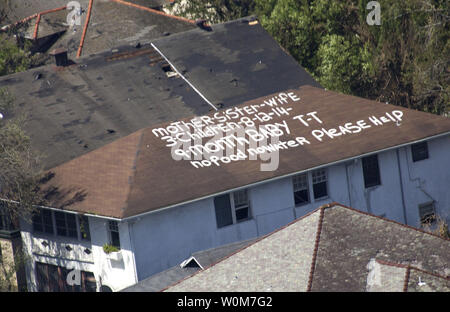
332,249
155,180
198,261
389,277
77,109
111,23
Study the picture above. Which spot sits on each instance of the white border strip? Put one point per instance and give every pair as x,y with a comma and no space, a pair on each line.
184,78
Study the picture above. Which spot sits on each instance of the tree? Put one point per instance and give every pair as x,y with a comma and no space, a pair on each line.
214,11
9,266
20,166
12,58
403,61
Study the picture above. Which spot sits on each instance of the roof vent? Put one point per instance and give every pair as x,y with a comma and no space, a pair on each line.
201,23
60,55
191,263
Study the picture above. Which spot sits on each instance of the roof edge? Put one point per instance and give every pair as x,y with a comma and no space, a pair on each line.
245,247
316,247
131,178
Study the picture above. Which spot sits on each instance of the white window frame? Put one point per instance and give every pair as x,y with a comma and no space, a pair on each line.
55,230
325,173
306,187
110,239
234,208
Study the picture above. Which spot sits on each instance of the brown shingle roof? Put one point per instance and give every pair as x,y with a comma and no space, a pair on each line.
159,181
99,181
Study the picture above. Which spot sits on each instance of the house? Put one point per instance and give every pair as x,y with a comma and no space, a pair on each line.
81,105
333,248
86,27
163,193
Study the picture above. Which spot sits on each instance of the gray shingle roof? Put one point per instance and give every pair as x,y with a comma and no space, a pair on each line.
170,276
329,250
77,109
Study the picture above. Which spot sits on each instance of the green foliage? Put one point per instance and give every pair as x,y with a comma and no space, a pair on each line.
6,102
12,58
344,59
403,61
9,269
217,11
20,167
107,248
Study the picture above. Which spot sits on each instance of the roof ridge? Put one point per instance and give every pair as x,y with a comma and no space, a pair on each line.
316,248
133,168
333,204
245,247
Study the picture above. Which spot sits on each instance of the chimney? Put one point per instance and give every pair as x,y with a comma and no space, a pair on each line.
60,55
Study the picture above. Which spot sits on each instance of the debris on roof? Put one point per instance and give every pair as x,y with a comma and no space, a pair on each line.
79,101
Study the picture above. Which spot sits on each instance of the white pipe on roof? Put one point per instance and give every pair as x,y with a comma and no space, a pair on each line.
184,78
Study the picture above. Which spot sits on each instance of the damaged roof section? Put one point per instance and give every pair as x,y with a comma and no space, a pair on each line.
111,23
234,62
114,24
334,248
75,109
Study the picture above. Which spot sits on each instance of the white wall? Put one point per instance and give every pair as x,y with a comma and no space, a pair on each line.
115,274
55,253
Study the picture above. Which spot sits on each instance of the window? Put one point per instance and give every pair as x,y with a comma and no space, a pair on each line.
61,224
114,238
419,151
241,205
319,178
371,171
232,208
43,222
84,228
66,225
427,213
52,278
301,190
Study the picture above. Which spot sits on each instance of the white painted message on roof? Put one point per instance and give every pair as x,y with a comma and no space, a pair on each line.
257,131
